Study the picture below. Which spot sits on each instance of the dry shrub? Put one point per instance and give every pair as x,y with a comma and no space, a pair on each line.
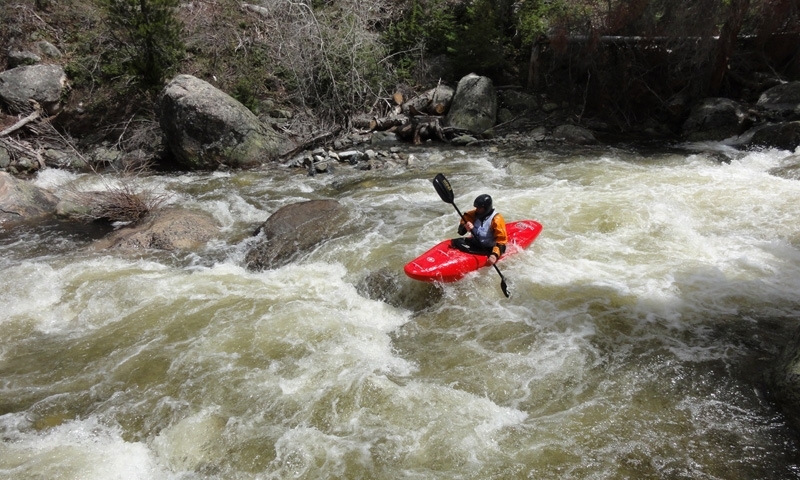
126,204
122,203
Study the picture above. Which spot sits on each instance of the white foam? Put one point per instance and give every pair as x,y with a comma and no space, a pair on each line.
85,449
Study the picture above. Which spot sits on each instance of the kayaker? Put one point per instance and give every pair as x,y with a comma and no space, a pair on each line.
488,230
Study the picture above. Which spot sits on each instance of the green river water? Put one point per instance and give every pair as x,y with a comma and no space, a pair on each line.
641,324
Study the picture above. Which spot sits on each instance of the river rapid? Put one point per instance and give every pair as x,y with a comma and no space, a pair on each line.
635,343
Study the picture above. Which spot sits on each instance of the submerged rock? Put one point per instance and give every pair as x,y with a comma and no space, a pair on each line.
295,229
167,229
785,379
21,200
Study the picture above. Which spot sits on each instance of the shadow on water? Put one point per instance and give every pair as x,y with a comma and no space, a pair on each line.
395,289
54,236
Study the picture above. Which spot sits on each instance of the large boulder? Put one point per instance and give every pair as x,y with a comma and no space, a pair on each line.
785,136
206,128
44,84
165,229
293,230
21,200
782,99
474,106
716,119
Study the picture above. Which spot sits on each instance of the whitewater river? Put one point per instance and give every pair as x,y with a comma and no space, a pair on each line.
634,345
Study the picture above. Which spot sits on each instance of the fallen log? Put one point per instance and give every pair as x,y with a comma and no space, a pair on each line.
435,101
420,128
312,143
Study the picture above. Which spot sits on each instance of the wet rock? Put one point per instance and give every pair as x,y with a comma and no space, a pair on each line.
785,136
789,170
463,140
398,290
21,200
716,119
384,138
295,229
166,229
783,99
66,159
785,379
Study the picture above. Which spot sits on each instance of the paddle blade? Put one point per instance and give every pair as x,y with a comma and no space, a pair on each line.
503,284
443,188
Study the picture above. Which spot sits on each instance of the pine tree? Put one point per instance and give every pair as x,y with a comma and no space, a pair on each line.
149,36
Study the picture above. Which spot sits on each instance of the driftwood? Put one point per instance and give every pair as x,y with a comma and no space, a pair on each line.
428,103
420,128
312,143
23,148
33,116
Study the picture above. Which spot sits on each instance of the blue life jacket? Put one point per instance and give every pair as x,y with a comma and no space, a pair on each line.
482,230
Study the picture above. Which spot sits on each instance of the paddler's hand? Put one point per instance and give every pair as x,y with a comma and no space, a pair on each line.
491,260
469,226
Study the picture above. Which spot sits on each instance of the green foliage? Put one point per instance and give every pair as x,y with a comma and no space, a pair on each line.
481,40
244,93
148,34
539,17
427,27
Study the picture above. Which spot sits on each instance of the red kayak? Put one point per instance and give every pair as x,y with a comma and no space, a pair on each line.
445,263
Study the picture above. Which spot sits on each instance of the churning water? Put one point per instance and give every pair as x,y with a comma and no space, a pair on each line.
634,345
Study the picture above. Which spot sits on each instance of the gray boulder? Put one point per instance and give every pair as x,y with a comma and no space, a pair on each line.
44,84
47,49
574,134
166,229
790,169
716,119
295,229
517,102
783,99
785,136
21,200
206,128
474,106
20,58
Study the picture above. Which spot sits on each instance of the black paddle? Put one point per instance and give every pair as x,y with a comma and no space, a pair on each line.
445,192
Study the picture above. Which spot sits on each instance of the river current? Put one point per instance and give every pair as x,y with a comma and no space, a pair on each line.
635,344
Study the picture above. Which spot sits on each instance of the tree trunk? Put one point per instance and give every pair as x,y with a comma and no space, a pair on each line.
726,44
